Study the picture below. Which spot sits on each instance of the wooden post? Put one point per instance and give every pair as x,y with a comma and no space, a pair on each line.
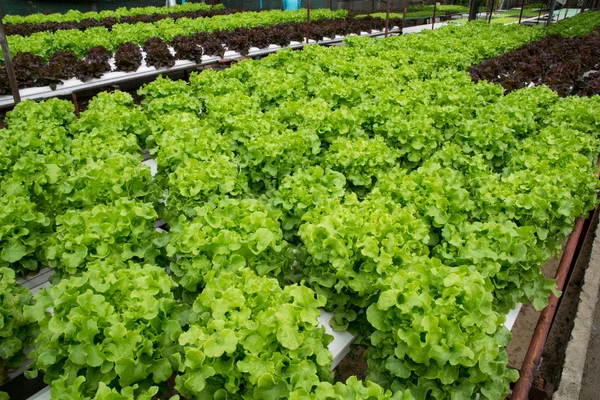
12,80
433,18
491,11
330,5
387,19
307,21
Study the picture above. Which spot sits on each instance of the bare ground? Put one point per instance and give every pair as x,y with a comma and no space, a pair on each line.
590,385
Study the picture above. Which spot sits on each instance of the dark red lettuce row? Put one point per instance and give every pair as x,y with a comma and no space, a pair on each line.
591,85
562,64
27,29
242,39
128,57
187,48
95,64
32,72
158,54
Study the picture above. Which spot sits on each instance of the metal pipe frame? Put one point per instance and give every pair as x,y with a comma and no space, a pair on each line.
8,65
403,15
521,13
473,10
566,10
433,18
387,19
540,14
307,21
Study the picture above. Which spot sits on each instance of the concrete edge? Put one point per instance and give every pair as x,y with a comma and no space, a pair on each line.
576,352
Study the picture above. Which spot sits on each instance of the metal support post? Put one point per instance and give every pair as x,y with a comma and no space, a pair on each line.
403,15
387,19
521,13
551,12
12,80
473,10
307,21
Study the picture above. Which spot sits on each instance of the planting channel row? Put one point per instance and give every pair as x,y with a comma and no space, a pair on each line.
27,28
32,71
44,44
76,16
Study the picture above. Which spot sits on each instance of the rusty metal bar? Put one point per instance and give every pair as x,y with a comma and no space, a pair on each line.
75,103
540,334
521,13
387,19
8,65
432,18
307,21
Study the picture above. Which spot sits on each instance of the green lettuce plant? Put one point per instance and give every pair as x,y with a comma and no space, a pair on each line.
437,335
352,245
228,234
251,339
120,231
114,328
16,331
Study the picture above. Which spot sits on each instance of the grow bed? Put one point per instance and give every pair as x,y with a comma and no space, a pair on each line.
144,71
